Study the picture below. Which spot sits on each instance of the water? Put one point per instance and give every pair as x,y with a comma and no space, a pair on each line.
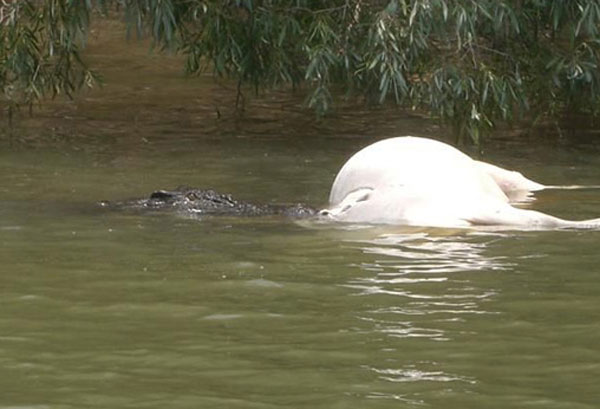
126,310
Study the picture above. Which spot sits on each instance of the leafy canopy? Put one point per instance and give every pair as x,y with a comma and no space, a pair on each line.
471,63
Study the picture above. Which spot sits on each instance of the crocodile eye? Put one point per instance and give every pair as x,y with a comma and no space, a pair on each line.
161,194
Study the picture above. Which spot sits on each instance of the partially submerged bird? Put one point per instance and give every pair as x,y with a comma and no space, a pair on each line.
423,182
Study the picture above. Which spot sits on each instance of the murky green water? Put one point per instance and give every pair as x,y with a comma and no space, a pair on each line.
124,310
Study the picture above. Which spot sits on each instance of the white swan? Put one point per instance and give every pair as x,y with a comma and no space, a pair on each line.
423,182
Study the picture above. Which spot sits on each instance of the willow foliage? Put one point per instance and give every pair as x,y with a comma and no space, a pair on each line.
40,45
471,63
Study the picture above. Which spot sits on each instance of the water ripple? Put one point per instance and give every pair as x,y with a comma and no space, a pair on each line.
403,329
422,285
423,253
412,374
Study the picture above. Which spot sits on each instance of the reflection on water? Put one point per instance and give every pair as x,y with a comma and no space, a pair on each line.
424,271
411,374
423,253
421,274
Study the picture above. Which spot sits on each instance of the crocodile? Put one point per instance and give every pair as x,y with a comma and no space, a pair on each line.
201,202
